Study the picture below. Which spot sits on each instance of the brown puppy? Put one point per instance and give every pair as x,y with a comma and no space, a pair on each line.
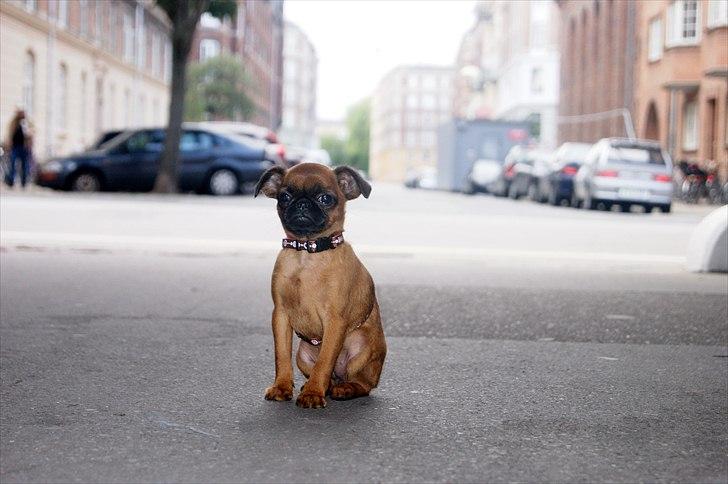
321,291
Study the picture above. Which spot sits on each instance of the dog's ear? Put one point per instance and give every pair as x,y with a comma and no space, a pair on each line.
351,182
270,182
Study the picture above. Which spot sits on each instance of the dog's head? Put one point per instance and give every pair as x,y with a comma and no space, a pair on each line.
311,197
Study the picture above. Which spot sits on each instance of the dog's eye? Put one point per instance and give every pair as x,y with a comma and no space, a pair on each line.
325,199
284,197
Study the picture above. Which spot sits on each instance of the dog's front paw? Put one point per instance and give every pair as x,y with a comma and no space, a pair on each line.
279,393
311,400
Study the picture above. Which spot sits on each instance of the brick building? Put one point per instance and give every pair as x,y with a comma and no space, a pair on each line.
256,36
598,52
80,67
682,78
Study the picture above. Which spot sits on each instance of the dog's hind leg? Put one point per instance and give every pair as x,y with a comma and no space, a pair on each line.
362,375
366,352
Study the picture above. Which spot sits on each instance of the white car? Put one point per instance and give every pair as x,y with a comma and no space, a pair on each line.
483,173
624,172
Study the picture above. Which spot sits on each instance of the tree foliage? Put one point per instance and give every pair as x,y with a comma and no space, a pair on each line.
336,147
217,90
356,147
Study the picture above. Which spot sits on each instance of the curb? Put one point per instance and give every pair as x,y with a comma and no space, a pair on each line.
708,246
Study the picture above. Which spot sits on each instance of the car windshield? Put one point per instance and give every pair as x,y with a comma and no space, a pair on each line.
636,154
575,153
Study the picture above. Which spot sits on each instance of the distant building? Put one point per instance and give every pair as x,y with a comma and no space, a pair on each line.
598,51
81,67
299,89
255,35
682,78
333,128
507,66
408,106
477,64
528,76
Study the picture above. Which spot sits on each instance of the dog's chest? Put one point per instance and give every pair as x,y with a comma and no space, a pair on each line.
304,298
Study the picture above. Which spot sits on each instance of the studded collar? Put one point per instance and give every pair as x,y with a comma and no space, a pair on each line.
313,246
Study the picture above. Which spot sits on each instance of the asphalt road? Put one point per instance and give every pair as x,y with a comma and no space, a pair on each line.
527,343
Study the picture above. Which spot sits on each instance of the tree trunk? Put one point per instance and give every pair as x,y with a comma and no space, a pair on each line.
184,24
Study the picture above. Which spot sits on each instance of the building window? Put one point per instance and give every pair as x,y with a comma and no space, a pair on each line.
654,45
683,23
127,108
156,53
717,13
429,101
690,126
429,82
83,21
98,15
537,80
209,21
209,48
62,13
111,105
128,36
141,118
167,61
156,117
412,101
31,5
83,107
411,140
29,83
62,96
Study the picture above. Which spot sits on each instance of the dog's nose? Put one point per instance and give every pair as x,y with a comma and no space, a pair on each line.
302,205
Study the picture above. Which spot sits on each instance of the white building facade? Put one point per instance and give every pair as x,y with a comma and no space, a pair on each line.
528,78
300,64
81,67
408,106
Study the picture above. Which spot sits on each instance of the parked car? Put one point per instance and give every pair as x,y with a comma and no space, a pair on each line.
502,183
209,162
531,166
275,150
105,138
421,177
295,155
482,174
556,184
624,172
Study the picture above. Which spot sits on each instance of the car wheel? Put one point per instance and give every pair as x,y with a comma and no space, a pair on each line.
665,208
469,188
553,198
533,192
648,208
513,191
86,182
625,207
223,182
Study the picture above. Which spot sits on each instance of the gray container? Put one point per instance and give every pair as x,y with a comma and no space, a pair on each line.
461,143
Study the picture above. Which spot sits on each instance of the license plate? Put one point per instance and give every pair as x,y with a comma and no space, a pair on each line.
633,194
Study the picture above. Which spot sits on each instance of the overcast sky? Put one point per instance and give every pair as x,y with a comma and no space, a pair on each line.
357,42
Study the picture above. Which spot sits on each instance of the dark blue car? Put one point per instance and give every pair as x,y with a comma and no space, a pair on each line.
209,162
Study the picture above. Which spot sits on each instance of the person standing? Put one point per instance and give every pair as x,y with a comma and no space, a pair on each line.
19,143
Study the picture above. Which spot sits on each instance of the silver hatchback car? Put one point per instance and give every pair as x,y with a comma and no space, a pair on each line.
624,172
